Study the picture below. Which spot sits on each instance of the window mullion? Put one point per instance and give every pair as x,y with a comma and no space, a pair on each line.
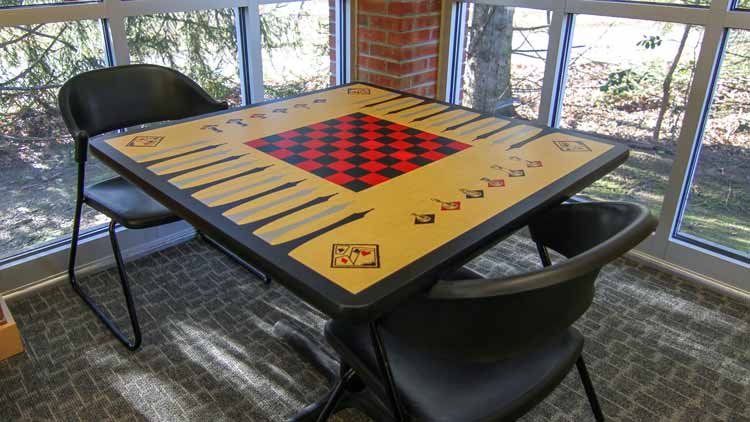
253,50
696,112
560,34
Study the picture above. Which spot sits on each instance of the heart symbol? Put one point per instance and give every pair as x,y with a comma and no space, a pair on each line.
365,253
344,260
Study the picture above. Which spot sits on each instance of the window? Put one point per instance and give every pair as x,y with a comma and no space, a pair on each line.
629,79
504,56
37,167
21,3
717,207
296,39
201,44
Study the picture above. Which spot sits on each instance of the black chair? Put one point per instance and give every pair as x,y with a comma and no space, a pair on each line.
103,100
473,349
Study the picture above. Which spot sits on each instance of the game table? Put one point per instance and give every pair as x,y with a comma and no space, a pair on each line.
356,197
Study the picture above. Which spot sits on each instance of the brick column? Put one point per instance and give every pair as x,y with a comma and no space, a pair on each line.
398,43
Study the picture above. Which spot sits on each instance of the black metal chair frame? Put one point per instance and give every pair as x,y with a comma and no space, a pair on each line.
81,138
448,289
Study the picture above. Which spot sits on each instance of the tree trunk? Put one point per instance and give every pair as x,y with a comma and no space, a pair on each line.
487,85
667,86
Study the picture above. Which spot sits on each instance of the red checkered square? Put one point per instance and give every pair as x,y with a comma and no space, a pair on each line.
357,151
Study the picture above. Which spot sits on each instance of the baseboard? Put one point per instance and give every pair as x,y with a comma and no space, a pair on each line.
104,261
691,276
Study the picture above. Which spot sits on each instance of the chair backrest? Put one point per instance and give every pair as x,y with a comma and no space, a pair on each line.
489,320
117,97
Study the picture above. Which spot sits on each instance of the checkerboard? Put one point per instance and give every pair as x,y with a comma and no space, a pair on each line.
357,151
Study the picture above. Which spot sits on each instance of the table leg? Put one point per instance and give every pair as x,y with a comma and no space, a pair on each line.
354,394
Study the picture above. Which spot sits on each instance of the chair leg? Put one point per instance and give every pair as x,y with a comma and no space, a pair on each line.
131,345
589,387
335,395
258,273
543,254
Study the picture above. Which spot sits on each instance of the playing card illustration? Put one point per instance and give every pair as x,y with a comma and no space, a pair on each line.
424,218
448,205
279,110
258,116
345,255
305,106
145,141
572,146
473,193
493,183
320,100
358,91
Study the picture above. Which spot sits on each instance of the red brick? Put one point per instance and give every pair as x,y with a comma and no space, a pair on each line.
422,78
390,23
427,21
371,35
377,6
381,50
412,7
363,47
405,38
373,63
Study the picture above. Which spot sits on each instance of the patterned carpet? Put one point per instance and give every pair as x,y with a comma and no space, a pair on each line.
658,348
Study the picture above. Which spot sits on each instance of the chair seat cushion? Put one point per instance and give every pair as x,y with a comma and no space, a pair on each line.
123,202
434,389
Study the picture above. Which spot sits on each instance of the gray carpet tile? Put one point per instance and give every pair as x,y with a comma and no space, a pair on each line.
658,348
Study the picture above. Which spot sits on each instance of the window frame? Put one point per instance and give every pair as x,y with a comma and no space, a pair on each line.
695,258
48,260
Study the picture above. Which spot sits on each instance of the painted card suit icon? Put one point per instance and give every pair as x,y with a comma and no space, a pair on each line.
532,164
358,91
145,141
424,218
355,256
572,146
516,173
448,205
473,193
494,183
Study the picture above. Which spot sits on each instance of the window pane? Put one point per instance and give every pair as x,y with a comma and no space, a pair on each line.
296,42
201,44
629,79
693,3
21,3
718,206
504,56
37,168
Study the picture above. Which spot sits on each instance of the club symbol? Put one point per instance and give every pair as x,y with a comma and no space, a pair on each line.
213,128
423,218
529,164
509,172
238,122
473,193
448,205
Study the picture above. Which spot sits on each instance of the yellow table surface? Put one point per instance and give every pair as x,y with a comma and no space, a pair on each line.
392,223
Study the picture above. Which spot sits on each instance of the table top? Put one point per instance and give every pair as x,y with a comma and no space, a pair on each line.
356,196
